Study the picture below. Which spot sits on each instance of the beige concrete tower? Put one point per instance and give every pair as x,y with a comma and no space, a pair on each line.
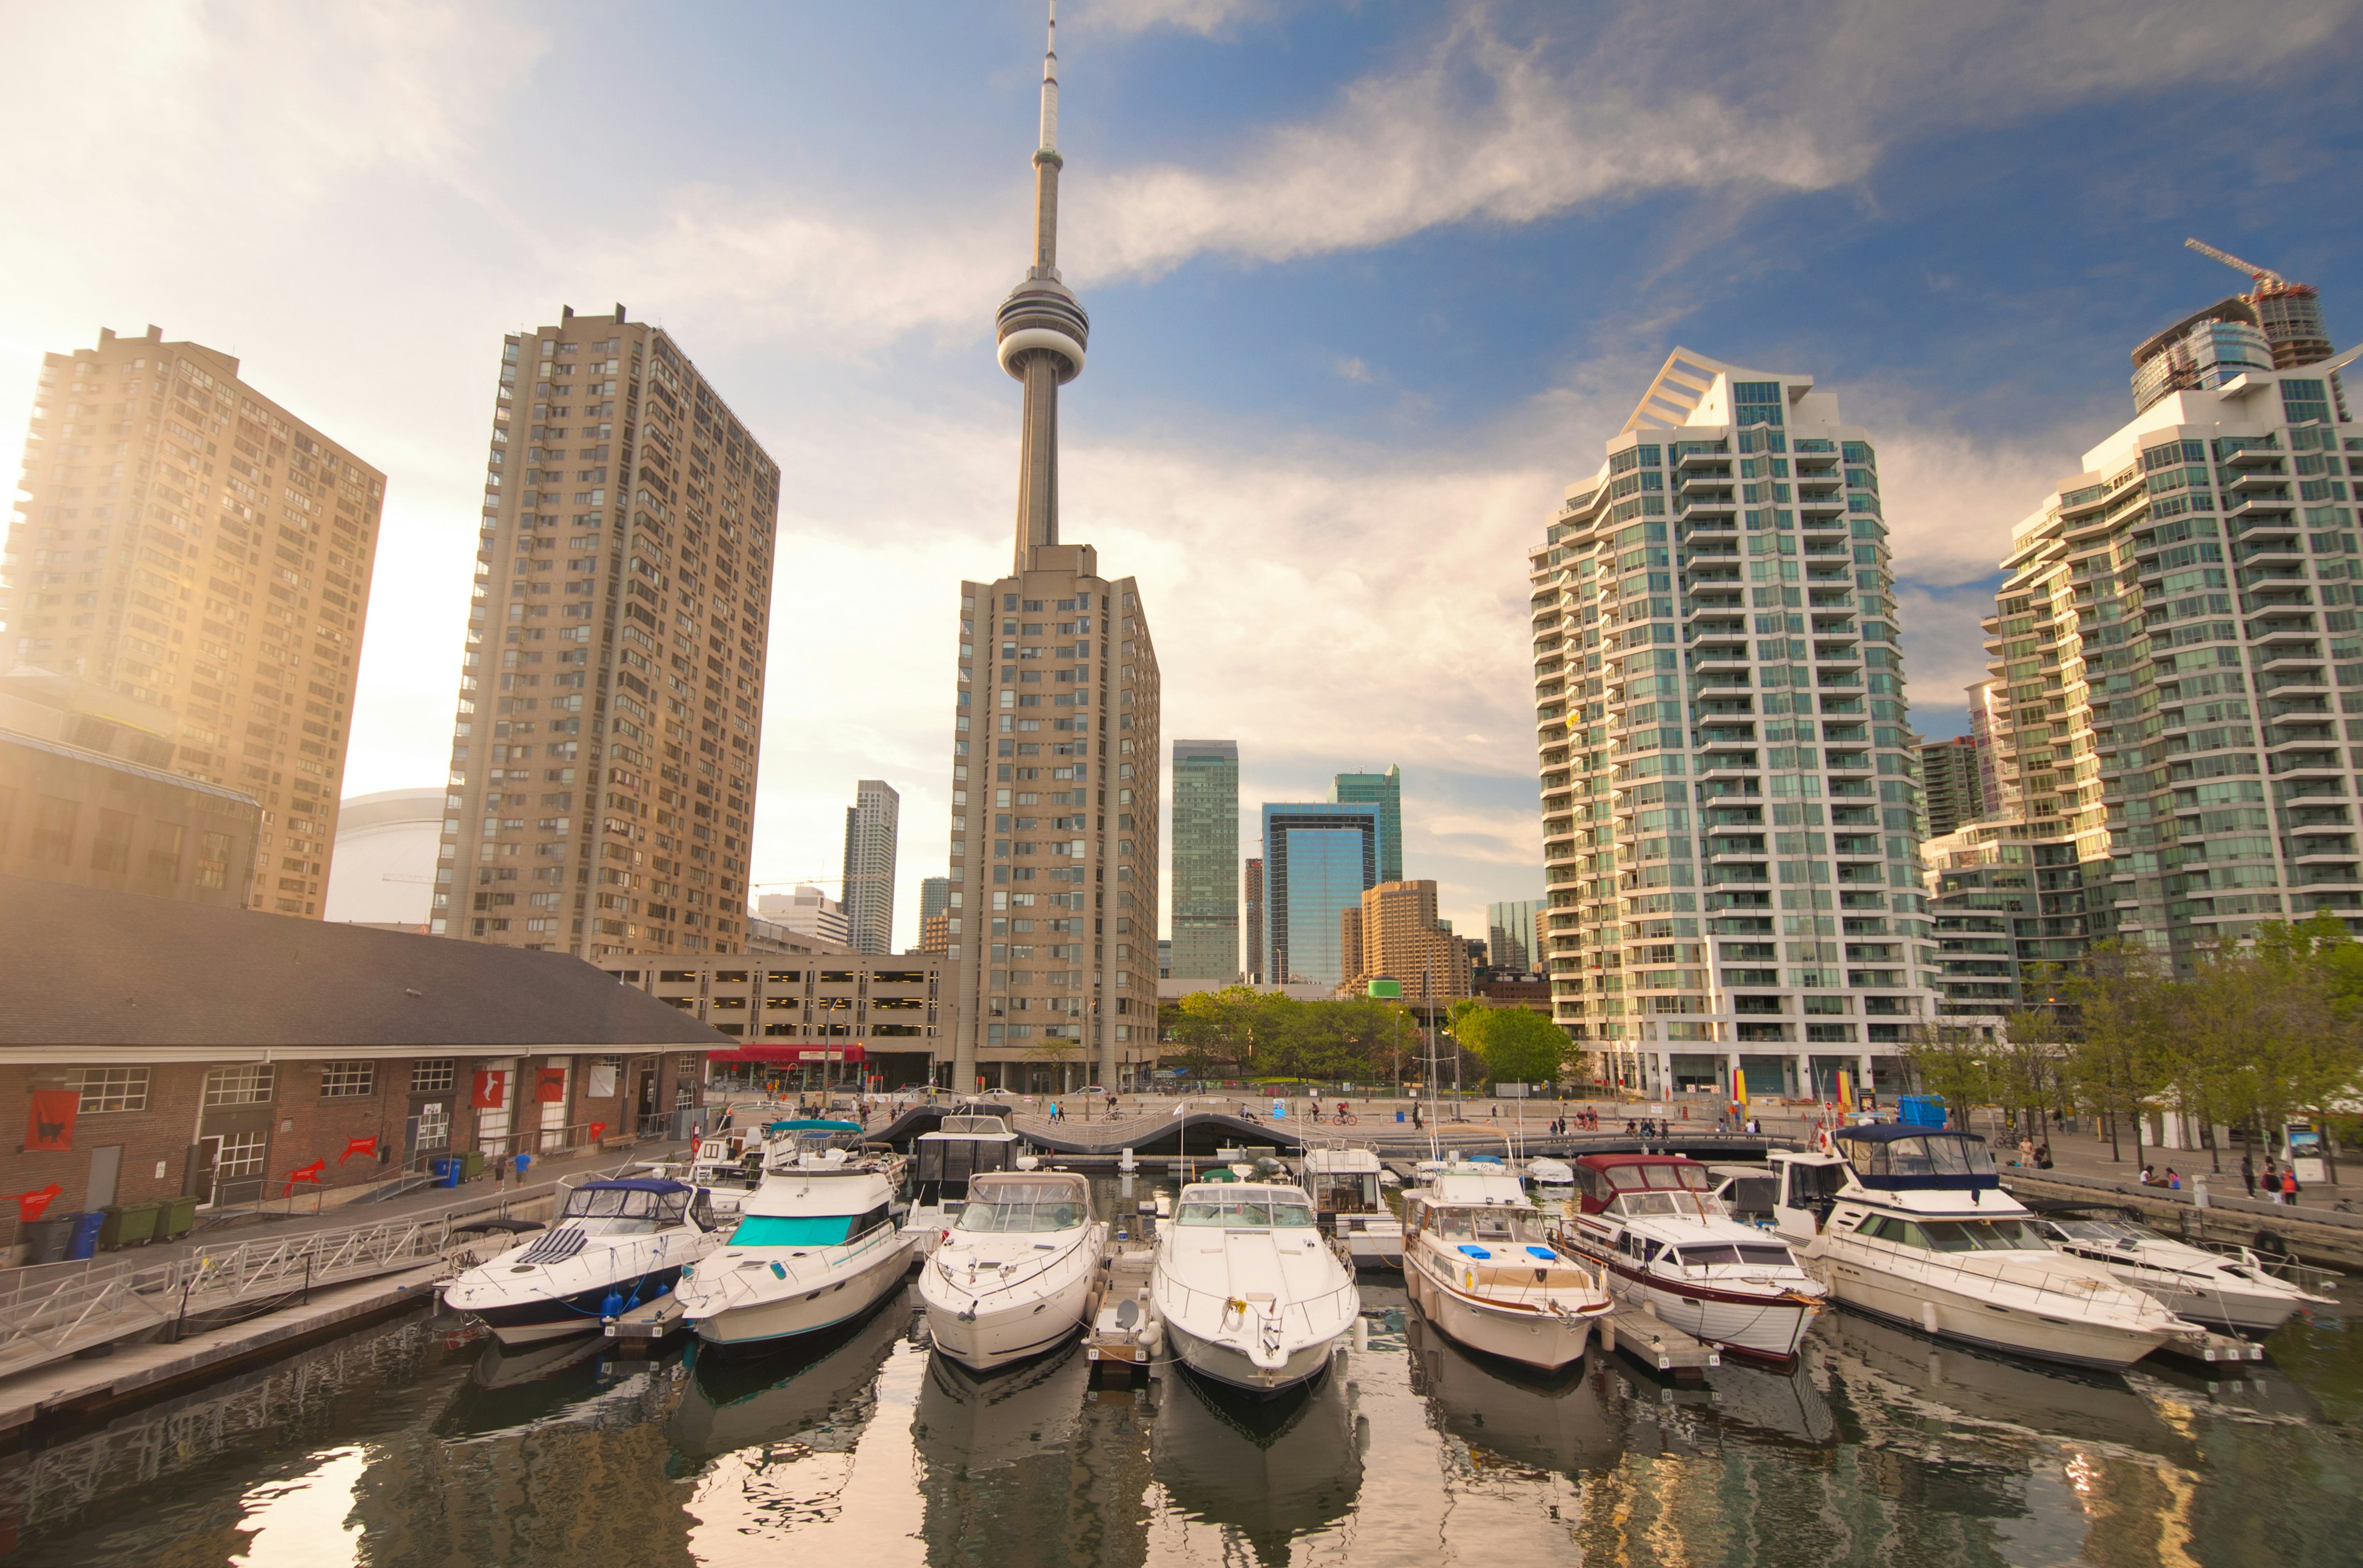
1056,770
189,544
611,692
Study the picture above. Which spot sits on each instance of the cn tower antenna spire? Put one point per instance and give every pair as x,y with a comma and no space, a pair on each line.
1042,330
1050,85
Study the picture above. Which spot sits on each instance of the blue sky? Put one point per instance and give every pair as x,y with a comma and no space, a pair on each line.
1369,284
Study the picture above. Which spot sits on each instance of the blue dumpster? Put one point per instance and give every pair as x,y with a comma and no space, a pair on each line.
445,1169
84,1244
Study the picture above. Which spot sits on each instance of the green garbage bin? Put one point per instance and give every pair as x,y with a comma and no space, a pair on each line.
134,1224
472,1166
175,1216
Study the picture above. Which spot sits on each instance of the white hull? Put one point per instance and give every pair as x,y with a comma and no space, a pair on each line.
994,1328
1532,1339
1225,1362
1769,1328
2246,1312
801,1306
1376,1249
1928,1305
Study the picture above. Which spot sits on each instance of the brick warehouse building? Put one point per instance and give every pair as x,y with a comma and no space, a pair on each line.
152,1047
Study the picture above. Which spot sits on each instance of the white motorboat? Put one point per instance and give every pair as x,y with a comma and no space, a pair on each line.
816,1244
1345,1185
964,1146
728,1165
1553,1179
1669,1246
2225,1291
1909,1224
1480,1264
1251,1292
614,1246
1014,1275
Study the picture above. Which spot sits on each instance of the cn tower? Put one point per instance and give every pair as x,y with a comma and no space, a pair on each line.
1043,330
1056,784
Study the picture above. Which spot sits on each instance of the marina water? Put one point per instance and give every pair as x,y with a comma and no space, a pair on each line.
419,1441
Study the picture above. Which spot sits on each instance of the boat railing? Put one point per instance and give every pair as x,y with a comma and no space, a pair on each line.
2041,1287
978,1289
1302,1309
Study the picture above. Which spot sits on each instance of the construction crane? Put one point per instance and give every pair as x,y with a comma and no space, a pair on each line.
2265,278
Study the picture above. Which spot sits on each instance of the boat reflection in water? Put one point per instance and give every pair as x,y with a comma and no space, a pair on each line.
1270,1469
1764,1403
1543,1420
820,1391
574,1382
968,1421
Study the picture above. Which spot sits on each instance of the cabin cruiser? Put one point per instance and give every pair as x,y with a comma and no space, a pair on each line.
1345,1185
1554,1180
2214,1288
614,1246
1480,1264
964,1145
1911,1224
1249,1294
816,1244
1014,1274
1669,1246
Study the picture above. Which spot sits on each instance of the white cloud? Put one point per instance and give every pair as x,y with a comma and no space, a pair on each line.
1208,18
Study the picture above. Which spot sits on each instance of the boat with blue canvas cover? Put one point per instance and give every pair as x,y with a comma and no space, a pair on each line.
615,1245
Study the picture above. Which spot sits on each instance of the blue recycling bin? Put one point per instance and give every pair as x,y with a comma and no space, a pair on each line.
83,1242
445,1169
1398,1116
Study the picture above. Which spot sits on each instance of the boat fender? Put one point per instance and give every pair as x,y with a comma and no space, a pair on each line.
1928,1317
613,1305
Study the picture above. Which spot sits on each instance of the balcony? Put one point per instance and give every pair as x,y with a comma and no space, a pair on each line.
2260,480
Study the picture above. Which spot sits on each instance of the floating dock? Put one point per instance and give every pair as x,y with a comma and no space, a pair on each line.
1121,1336
2212,1349
643,1329
1657,1345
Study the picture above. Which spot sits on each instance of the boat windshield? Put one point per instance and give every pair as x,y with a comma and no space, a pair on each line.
1958,1235
1662,1178
1236,1212
626,1210
1059,1214
1685,1205
1933,1154
2104,1232
1757,1254
1513,1225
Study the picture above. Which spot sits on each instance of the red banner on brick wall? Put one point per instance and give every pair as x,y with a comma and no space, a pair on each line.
492,1089
551,1090
51,1122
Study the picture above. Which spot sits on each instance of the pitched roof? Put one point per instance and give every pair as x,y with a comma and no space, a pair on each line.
87,966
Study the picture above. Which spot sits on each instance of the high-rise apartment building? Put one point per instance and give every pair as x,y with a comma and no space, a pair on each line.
1985,706
611,690
1952,784
190,543
1394,931
2173,646
1729,817
873,825
1056,770
1385,791
1510,936
935,916
1319,859
1254,892
1206,889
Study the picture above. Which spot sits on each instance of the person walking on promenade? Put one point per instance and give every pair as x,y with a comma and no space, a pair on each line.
2248,1174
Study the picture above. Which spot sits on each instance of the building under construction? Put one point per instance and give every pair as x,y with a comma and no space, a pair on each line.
2276,325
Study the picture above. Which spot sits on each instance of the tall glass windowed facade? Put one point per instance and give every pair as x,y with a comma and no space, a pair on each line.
1318,858
1385,791
1206,861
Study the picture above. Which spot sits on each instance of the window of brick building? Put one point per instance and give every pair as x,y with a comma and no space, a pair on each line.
241,1154
433,1077
348,1080
111,1088
213,859
239,1086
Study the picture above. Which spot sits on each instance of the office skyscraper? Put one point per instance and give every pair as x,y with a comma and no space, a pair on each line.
1385,791
611,691
1729,821
1255,918
872,825
1206,861
1318,860
1392,931
194,546
1510,936
1056,746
